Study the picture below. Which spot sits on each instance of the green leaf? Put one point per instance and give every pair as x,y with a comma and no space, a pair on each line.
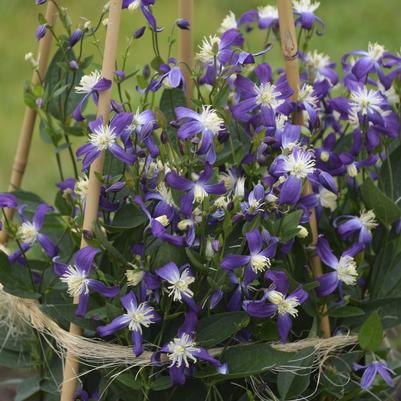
385,209
371,333
129,380
169,253
161,383
214,329
292,384
289,225
27,388
346,311
390,173
172,98
129,216
248,360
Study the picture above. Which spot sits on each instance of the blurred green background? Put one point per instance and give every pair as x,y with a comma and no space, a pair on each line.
351,24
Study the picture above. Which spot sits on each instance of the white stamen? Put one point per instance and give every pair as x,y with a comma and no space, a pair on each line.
199,193
260,263
375,51
346,270
328,199
300,164
27,233
285,305
207,51
81,187
77,281
210,120
88,82
180,286
181,350
268,12
368,219
163,220
305,6
103,137
229,22
267,95
134,277
140,316
306,95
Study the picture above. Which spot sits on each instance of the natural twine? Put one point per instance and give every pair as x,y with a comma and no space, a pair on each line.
112,355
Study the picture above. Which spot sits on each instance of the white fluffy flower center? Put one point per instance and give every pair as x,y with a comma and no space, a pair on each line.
28,233
140,316
281,120
180,286
134,277
199,193
365,100
134,5
328,199
300,164
77,281
368,219
81,187
103,138
210,120
375,51
306,95
305,6
163,220
87,82
229,22
207,51
346,270
181,350
268,12
317,60
267,94
260,263
284,305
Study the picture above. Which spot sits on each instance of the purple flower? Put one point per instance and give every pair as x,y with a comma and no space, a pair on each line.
196,190
76,276
29,232
258,259
255,202
304,10
371,371
90,85
276,300
292,169
179,281
8,200
137,316
266,99
40,31
75,37
344,268
182,23
104,137
171,77
321,67
40,2
207,123
158,225
361,226
183,352
144,5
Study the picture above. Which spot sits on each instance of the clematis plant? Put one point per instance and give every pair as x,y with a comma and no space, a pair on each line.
237,225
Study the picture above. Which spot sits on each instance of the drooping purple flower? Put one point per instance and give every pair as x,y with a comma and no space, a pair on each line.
89,85
265,99
320,67
183,352
136,316
371,371
344,268
265,16
145,6
255,202
75,37
77,278
304,10
276,300
258,259
171,77
29,233
8,200
361,226
104,137
159,224
179,280
207,123
40,31
196,190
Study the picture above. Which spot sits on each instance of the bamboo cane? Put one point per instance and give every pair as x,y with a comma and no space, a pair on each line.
185,53
290,53
71,367
28,124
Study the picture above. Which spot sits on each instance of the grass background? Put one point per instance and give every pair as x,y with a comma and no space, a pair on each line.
351,24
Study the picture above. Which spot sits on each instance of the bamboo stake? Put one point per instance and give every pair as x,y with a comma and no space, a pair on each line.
290,53
185,53
71,367
28,124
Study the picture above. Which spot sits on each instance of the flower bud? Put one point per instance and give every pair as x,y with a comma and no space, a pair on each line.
40,2
40,31
31,60
352,171
139,32
182,23
75,37
74,65
302,232
325,156
39,102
